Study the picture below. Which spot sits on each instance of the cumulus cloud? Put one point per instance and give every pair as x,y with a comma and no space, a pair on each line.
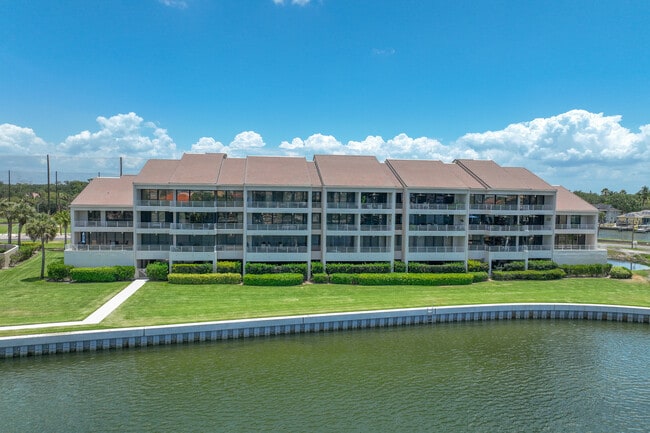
244,143
178,4
293,2
15,140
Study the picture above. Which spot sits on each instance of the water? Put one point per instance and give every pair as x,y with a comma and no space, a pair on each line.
541,376
629,265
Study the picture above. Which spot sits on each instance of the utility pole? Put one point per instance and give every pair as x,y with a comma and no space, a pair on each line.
48,184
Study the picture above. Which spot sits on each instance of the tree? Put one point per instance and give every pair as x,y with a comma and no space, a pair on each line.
644,193
62,218
42,227
7,211
605,192
23,212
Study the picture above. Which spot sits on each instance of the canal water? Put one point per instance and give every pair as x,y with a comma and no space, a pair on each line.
537,376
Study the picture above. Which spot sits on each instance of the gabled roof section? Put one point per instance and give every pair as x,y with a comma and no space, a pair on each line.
107,192
232,172
566,202
493,176
156,171
277,171
432,175
195,169
354,171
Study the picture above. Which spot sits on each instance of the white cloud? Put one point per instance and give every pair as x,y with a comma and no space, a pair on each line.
178,4
16,140
293,2
244,143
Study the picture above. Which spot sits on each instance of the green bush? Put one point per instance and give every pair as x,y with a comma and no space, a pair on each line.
321,278
592,270
477,266
399,266
513,266
317,268
25,251
479,277
157,271
284,279
212,278
102,274
396,279
620,273
192,268
284,268
58,271
542,265
358,268
227,267
344,278
551,274
448,268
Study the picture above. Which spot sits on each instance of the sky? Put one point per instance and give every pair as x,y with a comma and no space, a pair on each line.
559,87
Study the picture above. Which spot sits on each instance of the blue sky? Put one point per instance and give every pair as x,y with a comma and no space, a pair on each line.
561,88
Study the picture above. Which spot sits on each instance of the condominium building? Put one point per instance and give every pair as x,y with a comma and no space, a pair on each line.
209,207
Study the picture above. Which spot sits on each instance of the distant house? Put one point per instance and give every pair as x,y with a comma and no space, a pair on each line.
609,212
640,218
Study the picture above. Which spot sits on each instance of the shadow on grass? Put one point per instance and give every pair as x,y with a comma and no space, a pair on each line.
32,279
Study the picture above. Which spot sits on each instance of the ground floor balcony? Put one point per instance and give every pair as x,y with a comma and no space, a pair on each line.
435,254
87,256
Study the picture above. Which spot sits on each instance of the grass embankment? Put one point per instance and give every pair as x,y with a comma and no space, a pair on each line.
161,303
26,299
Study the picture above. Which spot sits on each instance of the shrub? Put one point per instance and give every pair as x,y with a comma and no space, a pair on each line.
448,268
513,266
620,273
477,266
551,274
284,279
102,274
58,271
212,278
396,279
479,277
542,265
344,278
25,251
321,278
399,266
358,268
157,271
317,268
284,268
191,268
227,267
592,270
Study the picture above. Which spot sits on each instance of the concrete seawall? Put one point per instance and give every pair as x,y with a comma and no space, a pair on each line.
84,341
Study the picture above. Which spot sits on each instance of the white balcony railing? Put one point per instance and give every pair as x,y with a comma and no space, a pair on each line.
153,203
576,247
438,206
277,249
375,249
342,227
436,227
193,226
284,227
575,226
85,247
108,224
154,225
342,205
436,249
376,206
278,204
375,227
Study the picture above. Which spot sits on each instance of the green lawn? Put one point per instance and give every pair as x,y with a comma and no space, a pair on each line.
161,303
25,299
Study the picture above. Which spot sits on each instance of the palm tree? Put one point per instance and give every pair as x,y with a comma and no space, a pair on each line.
644,193
7,211
62,218
605,192
41,227
23,212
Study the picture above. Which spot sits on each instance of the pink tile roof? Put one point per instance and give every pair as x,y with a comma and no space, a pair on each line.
156,171
232,172
432,174
354,171
198,169
567,202
107,191
278,171
503,178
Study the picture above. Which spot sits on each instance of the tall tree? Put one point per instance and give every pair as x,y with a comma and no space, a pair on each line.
62,218
23,212
644,193
42,227
7,211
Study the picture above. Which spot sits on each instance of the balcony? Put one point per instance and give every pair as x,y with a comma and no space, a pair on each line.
376,227
192,226
154,225
342,205
577,247
276,227
276,249
375,249
575,226
195,204
278,204
229,226
376,206
230,203
438,206
436,249
85,247
153,247
342,227
154,203
436,227
104,224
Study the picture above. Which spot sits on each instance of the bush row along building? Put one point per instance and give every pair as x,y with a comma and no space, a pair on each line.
208,207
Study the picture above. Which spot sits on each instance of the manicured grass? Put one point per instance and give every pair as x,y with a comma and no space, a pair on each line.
25,299
161,303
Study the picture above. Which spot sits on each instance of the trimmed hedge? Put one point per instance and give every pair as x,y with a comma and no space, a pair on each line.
284,268
25,251
542,265
552,274
479,277
513,266
320,278
285,279
221,278
396,279
593,270
58,271
228,267
399,266
191,268
157,271
620,273
358,268
477,266
448,268
317,268
102,274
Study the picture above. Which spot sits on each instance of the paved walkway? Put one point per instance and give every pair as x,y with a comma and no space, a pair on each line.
95,317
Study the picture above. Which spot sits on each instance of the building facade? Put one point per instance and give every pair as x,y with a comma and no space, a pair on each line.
208,207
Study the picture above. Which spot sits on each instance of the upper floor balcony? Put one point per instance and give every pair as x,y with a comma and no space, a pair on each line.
276,227
437,227
278,204
437,206
576,226
104,224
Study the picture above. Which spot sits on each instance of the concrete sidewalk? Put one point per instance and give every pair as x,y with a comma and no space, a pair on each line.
95,318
